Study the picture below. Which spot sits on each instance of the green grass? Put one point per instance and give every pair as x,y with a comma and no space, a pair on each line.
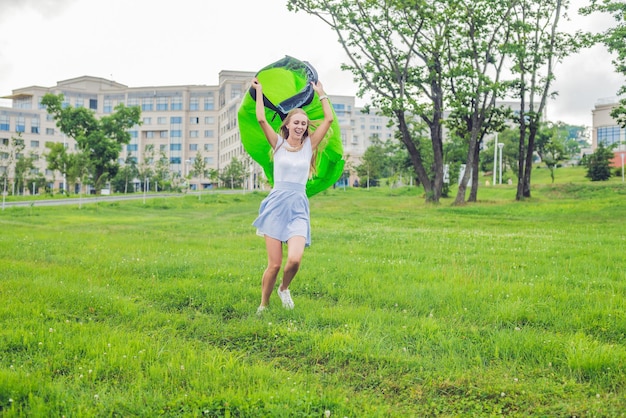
402,308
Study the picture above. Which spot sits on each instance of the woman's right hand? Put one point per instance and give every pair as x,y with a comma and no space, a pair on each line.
256,85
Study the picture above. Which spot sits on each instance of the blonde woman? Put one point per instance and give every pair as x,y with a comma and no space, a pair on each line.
284,214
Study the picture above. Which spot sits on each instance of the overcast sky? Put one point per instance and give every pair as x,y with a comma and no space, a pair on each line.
156,42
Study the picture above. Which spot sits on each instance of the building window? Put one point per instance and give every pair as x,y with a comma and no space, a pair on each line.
208,120
177,103
194,120
34,125
93,104
162,103
176,147
163,134
79,102
340,109
34,144
193,147
133,101
49,131
209,102
149,134
133,134
4,123
208,147
108,106
147,121
193,134
22,103
194,103
131,147
209,160
235,92
20,124
609,135
176,133
163,147
147,105
209,133
161,120
175,120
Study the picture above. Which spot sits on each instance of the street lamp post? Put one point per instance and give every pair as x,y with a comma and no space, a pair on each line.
495,157
500,145
187,179
4,192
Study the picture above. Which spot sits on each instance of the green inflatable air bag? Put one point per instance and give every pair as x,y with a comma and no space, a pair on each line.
287,85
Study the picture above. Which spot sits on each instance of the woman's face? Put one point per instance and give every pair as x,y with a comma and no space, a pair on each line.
297,125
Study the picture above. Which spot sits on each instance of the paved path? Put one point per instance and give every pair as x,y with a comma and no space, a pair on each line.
115,198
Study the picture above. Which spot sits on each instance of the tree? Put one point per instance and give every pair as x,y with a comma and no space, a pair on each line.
11,150
550,146
23,168
598,164
373,162
162,174
213,175
396,51
613,39
536,49
475,64
144,168
199,169
100,139
126,174
73,167
234,173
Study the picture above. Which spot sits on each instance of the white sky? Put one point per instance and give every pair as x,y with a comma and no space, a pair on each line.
157,42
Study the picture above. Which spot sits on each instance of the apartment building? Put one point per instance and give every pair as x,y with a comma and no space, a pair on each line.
178,121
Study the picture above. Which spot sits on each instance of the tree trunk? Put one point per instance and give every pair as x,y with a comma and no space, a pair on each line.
436,135
473,197
414,154
529,160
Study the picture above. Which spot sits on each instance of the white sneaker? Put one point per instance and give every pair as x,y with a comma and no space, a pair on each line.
260,310
285,297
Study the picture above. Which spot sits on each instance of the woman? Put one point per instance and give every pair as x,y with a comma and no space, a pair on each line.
284,213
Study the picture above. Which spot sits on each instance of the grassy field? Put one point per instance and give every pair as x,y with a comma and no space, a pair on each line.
402,308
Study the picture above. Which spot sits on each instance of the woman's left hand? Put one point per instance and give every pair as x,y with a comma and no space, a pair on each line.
319,89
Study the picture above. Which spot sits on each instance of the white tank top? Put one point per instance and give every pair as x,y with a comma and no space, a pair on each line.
292,166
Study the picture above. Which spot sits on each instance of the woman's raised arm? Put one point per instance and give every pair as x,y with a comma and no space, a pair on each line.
270,134
322,129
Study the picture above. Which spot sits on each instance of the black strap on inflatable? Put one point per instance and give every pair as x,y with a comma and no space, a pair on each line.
300,99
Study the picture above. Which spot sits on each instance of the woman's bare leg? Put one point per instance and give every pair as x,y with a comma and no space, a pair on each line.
295,250
274,261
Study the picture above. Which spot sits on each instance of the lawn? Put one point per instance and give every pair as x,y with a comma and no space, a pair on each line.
403,308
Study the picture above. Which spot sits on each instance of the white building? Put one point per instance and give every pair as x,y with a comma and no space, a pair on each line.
605,129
